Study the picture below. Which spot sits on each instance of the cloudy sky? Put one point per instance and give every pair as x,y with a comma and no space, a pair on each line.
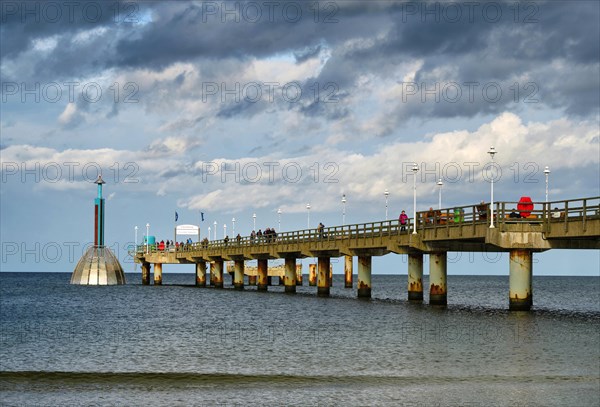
249,107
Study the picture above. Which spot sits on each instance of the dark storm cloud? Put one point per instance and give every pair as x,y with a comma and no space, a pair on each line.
306,54
185,32
24,21
362,38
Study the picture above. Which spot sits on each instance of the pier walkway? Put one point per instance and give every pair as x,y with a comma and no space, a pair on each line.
567,224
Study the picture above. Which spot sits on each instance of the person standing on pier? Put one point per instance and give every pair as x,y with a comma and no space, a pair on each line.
320,230
403,219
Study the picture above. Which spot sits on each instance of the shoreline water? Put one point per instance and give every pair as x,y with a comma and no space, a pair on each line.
181,345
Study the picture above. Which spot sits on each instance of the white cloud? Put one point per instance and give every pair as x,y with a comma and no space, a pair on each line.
68,115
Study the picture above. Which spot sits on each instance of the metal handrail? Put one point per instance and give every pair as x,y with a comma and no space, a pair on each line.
581,209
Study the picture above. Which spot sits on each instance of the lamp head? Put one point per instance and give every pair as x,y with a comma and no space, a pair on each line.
99,180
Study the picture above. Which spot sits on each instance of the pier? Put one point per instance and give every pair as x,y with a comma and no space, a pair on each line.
568,224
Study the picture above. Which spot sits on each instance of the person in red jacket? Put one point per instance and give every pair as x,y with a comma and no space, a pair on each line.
403,218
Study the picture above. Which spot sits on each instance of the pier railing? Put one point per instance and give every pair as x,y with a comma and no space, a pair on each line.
548,215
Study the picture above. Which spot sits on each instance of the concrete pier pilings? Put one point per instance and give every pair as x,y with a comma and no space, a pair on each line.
145,273
364,276
157,274
415,277
323,279
437,278
263,278
312,274
348,271
289,278
520,297
218,273
238,274
201,274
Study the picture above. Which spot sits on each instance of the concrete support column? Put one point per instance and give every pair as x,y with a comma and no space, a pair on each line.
157,274
201,274
290,275
238,274
263,278
218,274
299,275
146,273
437,278
415,277
348,271
364,276
212,273
520,297
281,282
323,279
312,274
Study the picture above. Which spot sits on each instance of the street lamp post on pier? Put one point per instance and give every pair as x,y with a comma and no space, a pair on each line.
254,220
147,237
415,169
308,217
440,184
279,219
233,229
386,193
492,152
135,243
546,173
215,231
343,209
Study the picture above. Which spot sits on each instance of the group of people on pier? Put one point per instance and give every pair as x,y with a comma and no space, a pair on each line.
168,245
268,236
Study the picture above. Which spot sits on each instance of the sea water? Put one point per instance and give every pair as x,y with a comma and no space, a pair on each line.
179,345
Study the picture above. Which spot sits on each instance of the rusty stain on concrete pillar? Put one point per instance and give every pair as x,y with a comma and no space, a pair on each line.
218,274
212,273
145,273
437,278
262,270
364,277
299,274
415,277
520,297
312,274
290,275
157,274
348,271
238,274
323,279
201,274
